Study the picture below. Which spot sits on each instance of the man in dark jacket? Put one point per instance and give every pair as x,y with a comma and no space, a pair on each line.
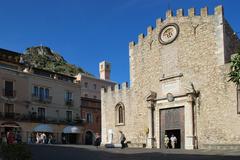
122,139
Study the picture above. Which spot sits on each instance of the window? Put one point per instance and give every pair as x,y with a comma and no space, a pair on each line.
84,103
41,113
120,114
95,97
86,84
89,118
46,93
68,96
41,93
8,92
69,116
94,86
9,110
35,91
86,95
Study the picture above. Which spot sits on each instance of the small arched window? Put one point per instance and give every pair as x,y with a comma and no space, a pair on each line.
120,114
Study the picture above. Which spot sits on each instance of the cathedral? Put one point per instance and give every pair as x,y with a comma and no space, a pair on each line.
179,85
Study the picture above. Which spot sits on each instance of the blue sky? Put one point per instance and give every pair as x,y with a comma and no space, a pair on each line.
86,32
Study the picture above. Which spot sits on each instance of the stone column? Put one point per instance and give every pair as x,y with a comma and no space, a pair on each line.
150,125
188,112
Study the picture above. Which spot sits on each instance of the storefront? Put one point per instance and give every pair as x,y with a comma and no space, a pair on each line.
71,135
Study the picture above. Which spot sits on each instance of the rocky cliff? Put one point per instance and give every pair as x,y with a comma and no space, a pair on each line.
44,58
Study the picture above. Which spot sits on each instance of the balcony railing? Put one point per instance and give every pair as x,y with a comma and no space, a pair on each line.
9,93
33,117
9,115
42,99
69,102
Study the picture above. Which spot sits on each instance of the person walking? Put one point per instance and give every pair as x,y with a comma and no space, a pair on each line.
173,140
166,141
38,136
44,138
50,139
10,137
18,137
4,139
122,139
98,140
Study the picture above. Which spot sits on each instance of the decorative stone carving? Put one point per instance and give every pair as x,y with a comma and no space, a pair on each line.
169,33
170,97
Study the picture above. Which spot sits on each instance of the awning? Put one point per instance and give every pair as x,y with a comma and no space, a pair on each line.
10,125
71,129
43,128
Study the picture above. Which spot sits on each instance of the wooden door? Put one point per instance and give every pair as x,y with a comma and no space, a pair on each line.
172,119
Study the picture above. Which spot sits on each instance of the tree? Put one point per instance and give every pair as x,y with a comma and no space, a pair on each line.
234,74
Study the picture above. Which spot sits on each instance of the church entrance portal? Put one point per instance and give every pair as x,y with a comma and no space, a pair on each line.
172,123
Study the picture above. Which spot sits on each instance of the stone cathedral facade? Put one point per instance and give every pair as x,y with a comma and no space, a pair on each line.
178,85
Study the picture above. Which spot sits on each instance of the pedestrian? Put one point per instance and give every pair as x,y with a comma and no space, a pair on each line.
173,140
4,139
166,141
44,138
122,139
38,138
50,139
98,140
10,137
18,137
64,140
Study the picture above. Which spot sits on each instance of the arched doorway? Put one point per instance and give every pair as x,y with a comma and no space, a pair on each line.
89,138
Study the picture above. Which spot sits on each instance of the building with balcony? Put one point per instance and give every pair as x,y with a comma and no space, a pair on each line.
34,100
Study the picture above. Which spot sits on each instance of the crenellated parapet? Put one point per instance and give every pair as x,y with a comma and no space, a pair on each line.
116,89
218,11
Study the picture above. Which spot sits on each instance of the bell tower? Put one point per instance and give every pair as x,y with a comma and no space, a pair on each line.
104,70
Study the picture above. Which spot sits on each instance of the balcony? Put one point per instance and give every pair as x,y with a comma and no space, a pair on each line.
33,117
9,115
9,93
69,102
42,99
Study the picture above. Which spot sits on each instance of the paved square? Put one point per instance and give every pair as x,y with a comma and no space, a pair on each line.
75,152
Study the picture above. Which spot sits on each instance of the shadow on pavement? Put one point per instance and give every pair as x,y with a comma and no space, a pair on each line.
47,152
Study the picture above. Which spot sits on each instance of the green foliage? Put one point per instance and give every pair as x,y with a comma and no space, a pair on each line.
234,74
15,152
43,58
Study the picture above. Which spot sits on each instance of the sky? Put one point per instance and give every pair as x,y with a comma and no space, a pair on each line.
86,32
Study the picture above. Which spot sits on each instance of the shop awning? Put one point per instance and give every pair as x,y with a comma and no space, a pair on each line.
10,125
43,128
71,129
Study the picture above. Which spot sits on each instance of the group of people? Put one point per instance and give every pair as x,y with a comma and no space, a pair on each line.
42,138
11,137
172,139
